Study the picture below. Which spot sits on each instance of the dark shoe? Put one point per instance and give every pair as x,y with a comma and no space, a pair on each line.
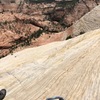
2,94
55,98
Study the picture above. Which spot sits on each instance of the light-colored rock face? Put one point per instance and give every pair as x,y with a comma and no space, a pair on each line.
90,21
70,69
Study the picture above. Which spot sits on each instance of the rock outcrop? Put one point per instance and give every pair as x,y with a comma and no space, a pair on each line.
68,16
33,27
90,21
70,69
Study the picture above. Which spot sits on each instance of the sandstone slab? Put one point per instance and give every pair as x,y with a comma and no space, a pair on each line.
70,69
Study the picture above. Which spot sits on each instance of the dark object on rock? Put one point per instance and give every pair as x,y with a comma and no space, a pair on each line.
2,94
55,98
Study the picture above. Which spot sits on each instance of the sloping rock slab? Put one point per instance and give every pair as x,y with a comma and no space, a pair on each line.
70,69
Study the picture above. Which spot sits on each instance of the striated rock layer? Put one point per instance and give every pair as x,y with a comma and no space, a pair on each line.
70,69
88,22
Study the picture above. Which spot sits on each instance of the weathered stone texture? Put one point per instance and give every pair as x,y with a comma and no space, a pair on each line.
70,69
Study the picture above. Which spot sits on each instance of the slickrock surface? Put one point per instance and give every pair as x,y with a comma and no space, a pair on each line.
70,69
